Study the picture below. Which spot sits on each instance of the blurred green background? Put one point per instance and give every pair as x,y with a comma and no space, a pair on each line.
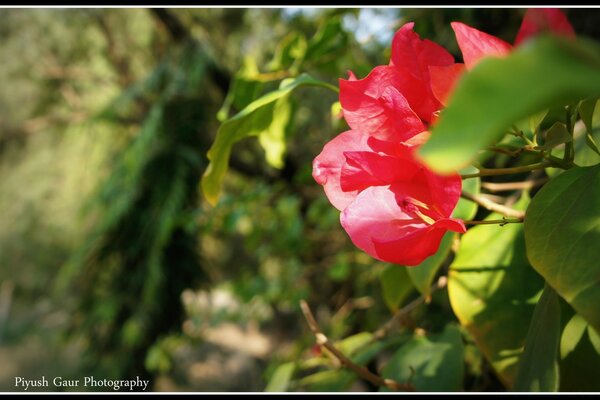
111,262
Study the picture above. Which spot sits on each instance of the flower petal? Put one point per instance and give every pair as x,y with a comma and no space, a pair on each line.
443,80
327,166
413,249
539,20
374,105
363,169
374,213
475,44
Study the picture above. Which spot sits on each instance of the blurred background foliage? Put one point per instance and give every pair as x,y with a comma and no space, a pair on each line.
112,263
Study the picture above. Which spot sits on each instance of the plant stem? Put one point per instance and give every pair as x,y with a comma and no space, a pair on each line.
491,206
361,371
507,186
506,171
500,222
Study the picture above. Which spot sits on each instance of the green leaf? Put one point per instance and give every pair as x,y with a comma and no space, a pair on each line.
395,285
572,334
328,381
272,139
500,91
493,291
251,121
432,364
280,381
244,89
536,119
562,232
594,339
423,274
291,50
557,134
329,39
538,365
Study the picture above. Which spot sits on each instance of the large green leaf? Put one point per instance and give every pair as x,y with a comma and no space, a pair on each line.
500,91
538,365
562,232
432,364
422,275
493,291
256,118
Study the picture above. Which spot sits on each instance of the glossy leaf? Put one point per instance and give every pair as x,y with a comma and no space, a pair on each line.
562,232
586,111
251,121
572,334
538,365
484,104
493,291
431,363
272,139
557,134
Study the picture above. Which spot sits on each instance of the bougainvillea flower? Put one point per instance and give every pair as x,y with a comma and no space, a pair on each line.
366,102
393,207
475,45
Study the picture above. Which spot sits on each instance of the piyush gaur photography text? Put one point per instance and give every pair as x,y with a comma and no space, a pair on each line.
88,382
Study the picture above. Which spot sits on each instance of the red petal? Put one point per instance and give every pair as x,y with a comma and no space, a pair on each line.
475,44
374,105
413,249
364,169
540,20
443,80
327,166
412,53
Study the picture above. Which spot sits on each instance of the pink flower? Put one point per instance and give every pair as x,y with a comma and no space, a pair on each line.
393,207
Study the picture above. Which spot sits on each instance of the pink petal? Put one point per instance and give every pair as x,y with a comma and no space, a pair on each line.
540,20
374,105
376,214
413,249
327,166
475,44
443,80
445,191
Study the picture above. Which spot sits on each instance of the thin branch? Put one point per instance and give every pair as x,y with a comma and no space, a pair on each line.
361,371
491,206
507,171
500,222
407,309
508,186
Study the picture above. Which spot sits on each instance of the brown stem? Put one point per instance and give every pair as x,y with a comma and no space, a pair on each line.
490,205
500,222
361,371
507,186
407,309
507,171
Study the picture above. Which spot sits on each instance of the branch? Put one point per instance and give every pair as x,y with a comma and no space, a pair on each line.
500,222
407,309
506,171
361,371
491,206
507,186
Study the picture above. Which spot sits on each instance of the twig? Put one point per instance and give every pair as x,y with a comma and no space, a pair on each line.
490,205
361,371
506,186
407,309
500,222
507,171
